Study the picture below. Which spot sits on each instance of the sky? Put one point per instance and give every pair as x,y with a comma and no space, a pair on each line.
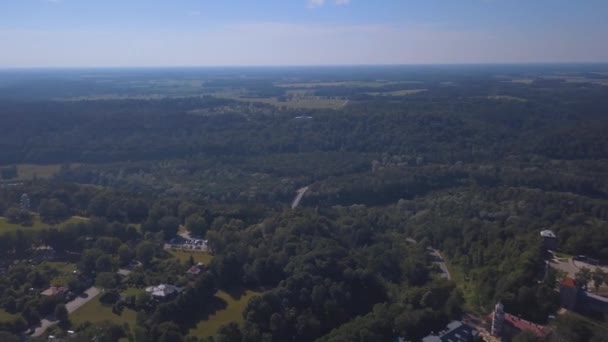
147,33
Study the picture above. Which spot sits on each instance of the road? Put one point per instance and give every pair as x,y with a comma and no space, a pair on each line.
71,306
441,262
300,194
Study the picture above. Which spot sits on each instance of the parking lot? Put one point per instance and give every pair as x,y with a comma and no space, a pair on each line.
188,244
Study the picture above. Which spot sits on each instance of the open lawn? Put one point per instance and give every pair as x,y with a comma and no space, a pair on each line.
184,256
6,317
403,92
94,312
63,270
305,85
30,171
298,103
232,311
6,227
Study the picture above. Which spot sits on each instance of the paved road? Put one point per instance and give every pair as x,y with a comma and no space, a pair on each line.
300,194
71,306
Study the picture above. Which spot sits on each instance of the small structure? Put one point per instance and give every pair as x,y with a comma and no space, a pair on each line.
506,326
549,239
163,291
196,269
455,332
25,202
574,297
55,291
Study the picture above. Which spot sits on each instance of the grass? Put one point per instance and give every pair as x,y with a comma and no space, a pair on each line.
298,103
507,98
38,225
184,256
232,311
94,311
64,272
307,85
133,291
403,92
6,317
30,171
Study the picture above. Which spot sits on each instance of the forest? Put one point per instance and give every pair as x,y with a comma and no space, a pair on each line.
472,161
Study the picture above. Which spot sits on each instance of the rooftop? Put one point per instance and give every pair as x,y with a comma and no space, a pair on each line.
548,234
455,332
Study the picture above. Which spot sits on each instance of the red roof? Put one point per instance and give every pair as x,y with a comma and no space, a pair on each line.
524,325
568,282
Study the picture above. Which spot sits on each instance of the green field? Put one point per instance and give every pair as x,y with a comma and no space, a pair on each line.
64,272
232,312
403,92
298,103
6,317
30,171
184,256
94,312
6,227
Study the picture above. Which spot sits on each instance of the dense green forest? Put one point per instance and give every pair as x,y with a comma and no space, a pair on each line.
471,161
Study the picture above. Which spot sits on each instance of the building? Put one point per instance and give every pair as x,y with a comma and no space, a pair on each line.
549,239
25,202
163,292
505,325
55,291
574,297
454,332
196,269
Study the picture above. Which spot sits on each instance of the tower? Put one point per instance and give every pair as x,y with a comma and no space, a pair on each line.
25,202
498,319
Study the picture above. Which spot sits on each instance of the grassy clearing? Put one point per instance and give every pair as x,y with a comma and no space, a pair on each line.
232,312
64,271
184,256
38,225
30,171
306,85
133,291
6,317
298,103
507,98
94,311
403,92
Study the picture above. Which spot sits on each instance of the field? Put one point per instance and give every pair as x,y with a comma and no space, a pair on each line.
64,272
6,317
29,171
184,256
6,227
233,311
403,92
94,311
342,84
298,103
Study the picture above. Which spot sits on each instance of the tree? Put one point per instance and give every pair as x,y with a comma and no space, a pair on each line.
169,225
599,277
8,337
53,211
229,333
125,255
583,276
61,314
104,263
197,225
145,252
105,280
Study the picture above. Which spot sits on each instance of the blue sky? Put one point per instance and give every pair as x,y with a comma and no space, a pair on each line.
64,33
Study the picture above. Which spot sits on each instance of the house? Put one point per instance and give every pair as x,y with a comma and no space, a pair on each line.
455,331
506,326
549,239
574,297
163,292
55,291
196,269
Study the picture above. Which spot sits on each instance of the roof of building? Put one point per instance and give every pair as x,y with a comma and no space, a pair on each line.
569,282
455,332
162,290
548,233
54,290
195,269
523,325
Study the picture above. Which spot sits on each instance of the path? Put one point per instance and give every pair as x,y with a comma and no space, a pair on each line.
71,306
441,262
300,194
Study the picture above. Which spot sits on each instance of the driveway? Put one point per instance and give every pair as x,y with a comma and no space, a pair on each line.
71,306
